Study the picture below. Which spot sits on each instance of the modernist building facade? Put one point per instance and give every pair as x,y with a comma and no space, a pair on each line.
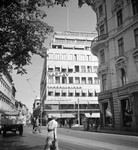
69,83
117,50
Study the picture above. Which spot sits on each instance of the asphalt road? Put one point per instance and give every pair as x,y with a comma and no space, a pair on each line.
69,140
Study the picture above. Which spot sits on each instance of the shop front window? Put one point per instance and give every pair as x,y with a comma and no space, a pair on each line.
108,114
126,113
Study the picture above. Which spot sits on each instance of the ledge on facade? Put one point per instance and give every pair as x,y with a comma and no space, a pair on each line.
98,42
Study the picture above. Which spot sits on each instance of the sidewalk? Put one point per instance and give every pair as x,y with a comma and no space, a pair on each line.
81,128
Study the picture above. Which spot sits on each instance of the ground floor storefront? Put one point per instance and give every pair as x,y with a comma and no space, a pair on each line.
119,108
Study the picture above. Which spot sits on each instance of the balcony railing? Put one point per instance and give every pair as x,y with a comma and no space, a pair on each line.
99,38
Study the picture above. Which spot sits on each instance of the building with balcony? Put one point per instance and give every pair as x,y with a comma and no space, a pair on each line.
69,82
7,93
117,50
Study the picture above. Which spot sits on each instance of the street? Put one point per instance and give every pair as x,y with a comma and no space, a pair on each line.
69,139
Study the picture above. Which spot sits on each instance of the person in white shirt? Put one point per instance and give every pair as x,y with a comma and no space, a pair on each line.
51,139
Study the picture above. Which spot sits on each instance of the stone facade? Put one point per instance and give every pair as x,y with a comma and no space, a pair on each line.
117,50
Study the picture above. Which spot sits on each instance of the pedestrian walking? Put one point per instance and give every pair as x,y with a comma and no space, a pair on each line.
36,126
51,139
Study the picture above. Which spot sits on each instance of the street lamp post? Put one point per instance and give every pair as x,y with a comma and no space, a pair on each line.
78,113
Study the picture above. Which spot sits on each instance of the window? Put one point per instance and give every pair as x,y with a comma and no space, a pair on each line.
88,57
82,57
90,80
64,94
57,69
95,68
102,30
77,94
57,56
83,69
53,46
135,6
57,94
100,11
63,70
136,37
50,79
102,56
64,80
89,68
96,80
83,80
76,68
123,76
104,82
119,17
50,69
70,80
90,93
63,57
77,80
83,94
70,70
57,79
75,57
50,56
70,94
121,46
50,93
70,57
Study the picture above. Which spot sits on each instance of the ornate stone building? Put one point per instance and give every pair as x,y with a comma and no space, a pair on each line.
117,50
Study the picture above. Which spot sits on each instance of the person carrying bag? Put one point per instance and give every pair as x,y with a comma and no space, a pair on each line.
51,139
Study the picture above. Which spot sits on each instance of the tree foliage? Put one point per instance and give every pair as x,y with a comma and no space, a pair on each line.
23,32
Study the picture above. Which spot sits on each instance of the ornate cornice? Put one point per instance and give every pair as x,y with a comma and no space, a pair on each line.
118,4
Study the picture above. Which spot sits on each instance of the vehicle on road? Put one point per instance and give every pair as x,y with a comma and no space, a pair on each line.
11,121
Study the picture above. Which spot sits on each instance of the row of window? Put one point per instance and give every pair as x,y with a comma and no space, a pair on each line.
4,86
123,78
71,57
72,93
73,80
72,41
120,46
83,69
119,15
74,106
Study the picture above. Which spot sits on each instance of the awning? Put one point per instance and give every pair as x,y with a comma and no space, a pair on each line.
84,90
57,90
87,115
71,90
67,116
55,115
64,67
11,113
70,67
77,90
90,90
64,90
94,115
50,90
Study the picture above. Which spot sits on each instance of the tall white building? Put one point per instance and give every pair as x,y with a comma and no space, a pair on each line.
69,83
117,50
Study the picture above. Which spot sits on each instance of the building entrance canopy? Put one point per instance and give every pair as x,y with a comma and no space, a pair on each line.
62,115
93,115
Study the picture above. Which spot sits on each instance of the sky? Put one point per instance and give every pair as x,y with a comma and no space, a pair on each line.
79,19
